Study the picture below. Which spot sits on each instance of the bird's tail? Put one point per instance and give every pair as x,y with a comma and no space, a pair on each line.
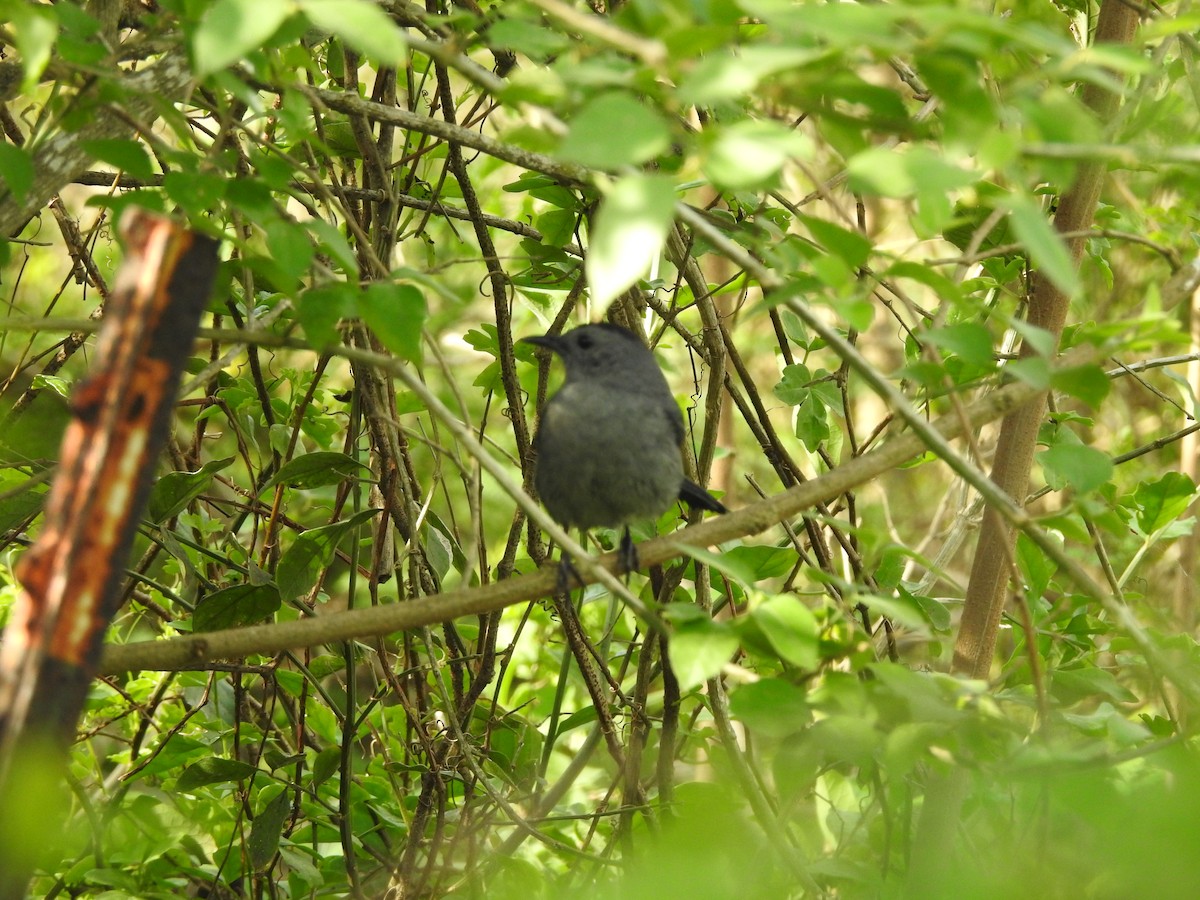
694,495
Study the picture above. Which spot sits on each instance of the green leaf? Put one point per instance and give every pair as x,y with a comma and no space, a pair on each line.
170,754
362,25
845,739
851,247
311,553
321,308
196,192
771,707
291,251
969,341
699,650
736,71
319,469
615,130
174,491
882,172
1037,567
214,770
334,243
531,39
327,762
1037,339
735,566
20,499
1088,383
60,386
934,612
557,227
1046,249
1073,685
631,227
267,829
812,423
942,286
1080,467
758,562
36,29
396,313
1161,502
750,154
236,606
791,629
795,386
903,609
229,29
128,156
16,170
1033,370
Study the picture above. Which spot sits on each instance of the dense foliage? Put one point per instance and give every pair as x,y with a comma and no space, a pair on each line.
829,219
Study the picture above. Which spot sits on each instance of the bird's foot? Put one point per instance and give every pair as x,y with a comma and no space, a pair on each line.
627,554
566,574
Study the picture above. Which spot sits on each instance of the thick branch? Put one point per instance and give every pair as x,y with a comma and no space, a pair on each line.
1048,308
62,158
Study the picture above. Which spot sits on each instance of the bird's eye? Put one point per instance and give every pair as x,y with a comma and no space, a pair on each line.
585,342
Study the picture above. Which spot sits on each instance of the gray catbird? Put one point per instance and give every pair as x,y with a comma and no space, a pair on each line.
609,444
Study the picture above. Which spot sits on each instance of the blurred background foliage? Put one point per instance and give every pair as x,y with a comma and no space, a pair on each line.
427,181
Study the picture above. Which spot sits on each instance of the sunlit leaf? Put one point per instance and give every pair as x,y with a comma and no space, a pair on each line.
699,651
630,230
615,130
229,29
363,25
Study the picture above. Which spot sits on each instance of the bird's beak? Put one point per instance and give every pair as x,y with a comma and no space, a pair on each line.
551,342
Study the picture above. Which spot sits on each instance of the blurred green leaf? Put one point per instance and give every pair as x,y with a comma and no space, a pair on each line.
127,156
615,130
363,25
229,29
630,230
36,30
1089,383
1046,248
16,170
1081,468
321,308
970,341
771,707
752,153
